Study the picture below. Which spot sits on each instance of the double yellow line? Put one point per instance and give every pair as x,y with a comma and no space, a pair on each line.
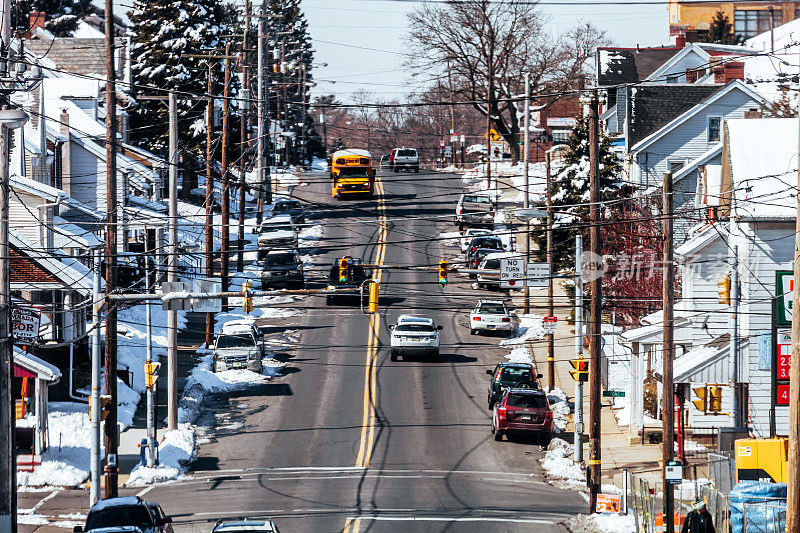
371,368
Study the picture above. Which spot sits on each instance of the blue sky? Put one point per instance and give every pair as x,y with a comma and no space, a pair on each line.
363,41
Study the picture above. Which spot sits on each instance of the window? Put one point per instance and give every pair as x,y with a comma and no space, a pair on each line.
751,22
675,165
714,129
560,136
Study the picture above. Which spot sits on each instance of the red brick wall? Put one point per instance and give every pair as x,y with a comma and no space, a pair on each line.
23,270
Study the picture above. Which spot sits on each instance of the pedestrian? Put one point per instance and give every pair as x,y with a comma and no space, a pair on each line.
698,520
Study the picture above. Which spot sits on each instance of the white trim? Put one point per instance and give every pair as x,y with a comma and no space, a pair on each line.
43,369
703,159
701,240
709,140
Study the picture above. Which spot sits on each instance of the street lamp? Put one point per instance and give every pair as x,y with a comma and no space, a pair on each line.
9,119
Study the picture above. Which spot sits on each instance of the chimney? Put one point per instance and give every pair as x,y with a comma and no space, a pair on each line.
36,20
680,41
691,36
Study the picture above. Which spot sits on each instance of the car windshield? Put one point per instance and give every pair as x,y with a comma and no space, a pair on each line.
533,401
487,242
280,260
277,227
492,264
235,341
407,153
493,309
477,199
515,374
480,254
135,515
474,232
427,328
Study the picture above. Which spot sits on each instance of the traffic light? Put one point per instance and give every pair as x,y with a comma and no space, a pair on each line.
150,374
344,270
374,289
702,403
714,398
724,290
443,273
581,369
105,406
247,299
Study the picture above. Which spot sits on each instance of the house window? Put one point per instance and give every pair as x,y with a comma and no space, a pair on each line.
714,129
675,165
750,22
560,136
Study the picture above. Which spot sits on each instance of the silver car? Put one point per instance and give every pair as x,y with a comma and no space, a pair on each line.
237,348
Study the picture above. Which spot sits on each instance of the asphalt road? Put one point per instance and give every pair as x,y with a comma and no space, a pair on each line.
347,440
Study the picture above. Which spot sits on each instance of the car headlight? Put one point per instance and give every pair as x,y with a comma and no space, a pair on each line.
253,356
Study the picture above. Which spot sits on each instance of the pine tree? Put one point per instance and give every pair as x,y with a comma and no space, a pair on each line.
61,16
721,30
165,34
570,193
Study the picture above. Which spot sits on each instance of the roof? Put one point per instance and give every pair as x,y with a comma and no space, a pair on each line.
277,219
627,65
352,151
61,266
116,502
245,525
704,158
734,85
763,165
411,318
704,50
79,55
68,235
698,241
699,358
516,364
501,302
43,369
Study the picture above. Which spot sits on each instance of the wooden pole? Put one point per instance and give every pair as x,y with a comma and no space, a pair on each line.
243,142
209,198
225,227
668,355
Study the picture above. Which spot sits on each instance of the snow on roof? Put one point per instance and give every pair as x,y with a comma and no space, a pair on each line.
351,151
36,188
68,235
709,154
87,31
698,241
699,358
763,164
43,369
61,266
236,329
502,255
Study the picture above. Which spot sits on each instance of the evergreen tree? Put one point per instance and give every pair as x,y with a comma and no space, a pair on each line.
165,34
61,16
721,30
570,194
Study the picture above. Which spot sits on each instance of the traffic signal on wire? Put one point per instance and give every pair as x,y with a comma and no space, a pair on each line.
580,370
443,272
344,270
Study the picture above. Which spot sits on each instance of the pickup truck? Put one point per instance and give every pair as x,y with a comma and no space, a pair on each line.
474,210
277,232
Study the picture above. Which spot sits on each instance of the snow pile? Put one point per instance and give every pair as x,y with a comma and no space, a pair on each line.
560,408
602,523
175,451
311,233
520,354
66,461
286,177
450,238
691,490
559,467
530,327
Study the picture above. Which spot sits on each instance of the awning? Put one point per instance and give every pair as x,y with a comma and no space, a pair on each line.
28,365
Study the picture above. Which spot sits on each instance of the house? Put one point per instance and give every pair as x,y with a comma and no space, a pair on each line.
749,220
690,17
30,382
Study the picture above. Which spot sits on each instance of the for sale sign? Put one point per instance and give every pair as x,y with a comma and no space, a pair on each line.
25,325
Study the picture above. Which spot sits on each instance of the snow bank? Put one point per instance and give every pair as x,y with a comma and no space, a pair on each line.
530,327
560,408
558,465
175,450
602,523
450,238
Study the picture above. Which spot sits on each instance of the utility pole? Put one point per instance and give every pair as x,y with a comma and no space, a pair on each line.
303,151
245,105
172,266
284,88
453,121
551,361
668,355
527,200
151,416
594,470
209,198
578,419
489,133
734,324
263,119
793,490
225,227
97,303
111,429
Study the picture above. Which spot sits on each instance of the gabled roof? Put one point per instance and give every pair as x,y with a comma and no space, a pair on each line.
66,269
699,241
52,194
732,86
704,50
698,359
710,154
628,65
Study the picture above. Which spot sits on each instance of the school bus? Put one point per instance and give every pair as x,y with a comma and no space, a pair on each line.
352,173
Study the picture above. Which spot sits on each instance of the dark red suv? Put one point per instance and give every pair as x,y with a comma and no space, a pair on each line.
523,411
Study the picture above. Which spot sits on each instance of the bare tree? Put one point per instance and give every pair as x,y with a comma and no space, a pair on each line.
488,45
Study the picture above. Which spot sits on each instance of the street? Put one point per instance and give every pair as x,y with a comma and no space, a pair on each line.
346,439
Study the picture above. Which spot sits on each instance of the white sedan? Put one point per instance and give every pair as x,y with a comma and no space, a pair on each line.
493,315
415,335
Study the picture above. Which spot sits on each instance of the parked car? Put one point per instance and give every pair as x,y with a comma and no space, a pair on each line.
474,210
414,335
493,315
523,411
245,526
126,512
469,233
238,346
491,242
291,207
489,270
282,268
277,232
385,161
404,158
507,375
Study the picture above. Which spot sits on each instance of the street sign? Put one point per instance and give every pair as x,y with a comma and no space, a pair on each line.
608,503
613,394
207,285
527,214
25,325
784,291
538,275
512,268
673,473
178,304
550,324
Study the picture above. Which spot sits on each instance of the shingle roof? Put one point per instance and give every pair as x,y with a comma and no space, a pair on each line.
76,55
628,65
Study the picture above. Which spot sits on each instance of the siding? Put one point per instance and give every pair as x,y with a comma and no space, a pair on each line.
84,182
23,214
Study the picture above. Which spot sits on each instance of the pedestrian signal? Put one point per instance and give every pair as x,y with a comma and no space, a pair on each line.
580,370
443,272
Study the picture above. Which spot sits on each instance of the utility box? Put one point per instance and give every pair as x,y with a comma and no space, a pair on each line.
762,459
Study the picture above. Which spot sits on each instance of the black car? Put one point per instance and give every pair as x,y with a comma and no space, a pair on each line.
282,268
127,511
356,275
486,241
507,375
474,258
290,207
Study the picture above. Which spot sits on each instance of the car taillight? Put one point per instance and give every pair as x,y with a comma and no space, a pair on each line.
476,318
501,412
460,211
548,415
506,319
